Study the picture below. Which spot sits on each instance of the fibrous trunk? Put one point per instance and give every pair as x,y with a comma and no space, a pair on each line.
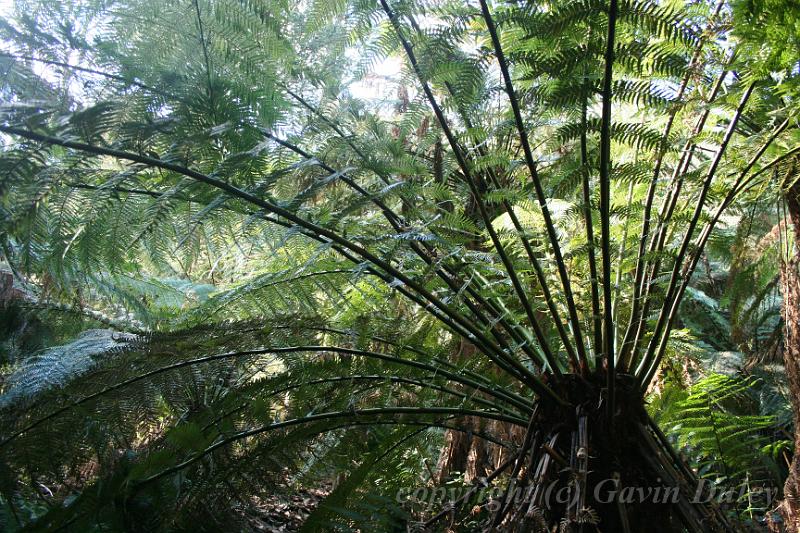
788,510
576,470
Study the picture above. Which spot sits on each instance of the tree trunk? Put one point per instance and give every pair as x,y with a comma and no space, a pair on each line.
464,451
788,510
789,507
574,473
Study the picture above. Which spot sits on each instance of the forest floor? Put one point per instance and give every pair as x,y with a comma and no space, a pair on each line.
283,512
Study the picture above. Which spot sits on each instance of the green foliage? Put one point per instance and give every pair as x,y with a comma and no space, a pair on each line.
720,423
303,281
770,29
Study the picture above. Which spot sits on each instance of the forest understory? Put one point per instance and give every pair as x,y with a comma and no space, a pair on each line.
400,265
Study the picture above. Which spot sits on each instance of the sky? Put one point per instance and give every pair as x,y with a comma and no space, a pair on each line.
381,83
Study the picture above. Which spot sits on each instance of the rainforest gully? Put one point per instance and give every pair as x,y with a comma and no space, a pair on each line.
400,265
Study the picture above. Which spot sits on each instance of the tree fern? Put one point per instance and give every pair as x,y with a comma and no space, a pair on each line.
346,248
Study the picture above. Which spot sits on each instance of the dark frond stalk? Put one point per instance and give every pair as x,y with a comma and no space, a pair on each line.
537,267
503,360
705,233
444,362
655,352
732,194
508,208
626,349
685,161
380,379
532,259
423,296
77,68
540,276
529,252
750,182
331,124
493,391
637,324
333,415
605,208
581,364
621,251
206,59
396,221
500,360
425,253
465,169
597,320
292,279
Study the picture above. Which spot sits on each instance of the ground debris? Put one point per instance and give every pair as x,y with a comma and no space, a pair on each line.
283,512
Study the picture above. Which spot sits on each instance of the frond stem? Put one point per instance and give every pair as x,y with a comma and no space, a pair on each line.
605,209
580,363
649,363
490,349
334,415
465,169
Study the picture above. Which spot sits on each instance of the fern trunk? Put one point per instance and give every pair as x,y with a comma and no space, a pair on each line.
575,473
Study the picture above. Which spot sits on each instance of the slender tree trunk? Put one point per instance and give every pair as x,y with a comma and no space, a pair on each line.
467,453
789,509
462,451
